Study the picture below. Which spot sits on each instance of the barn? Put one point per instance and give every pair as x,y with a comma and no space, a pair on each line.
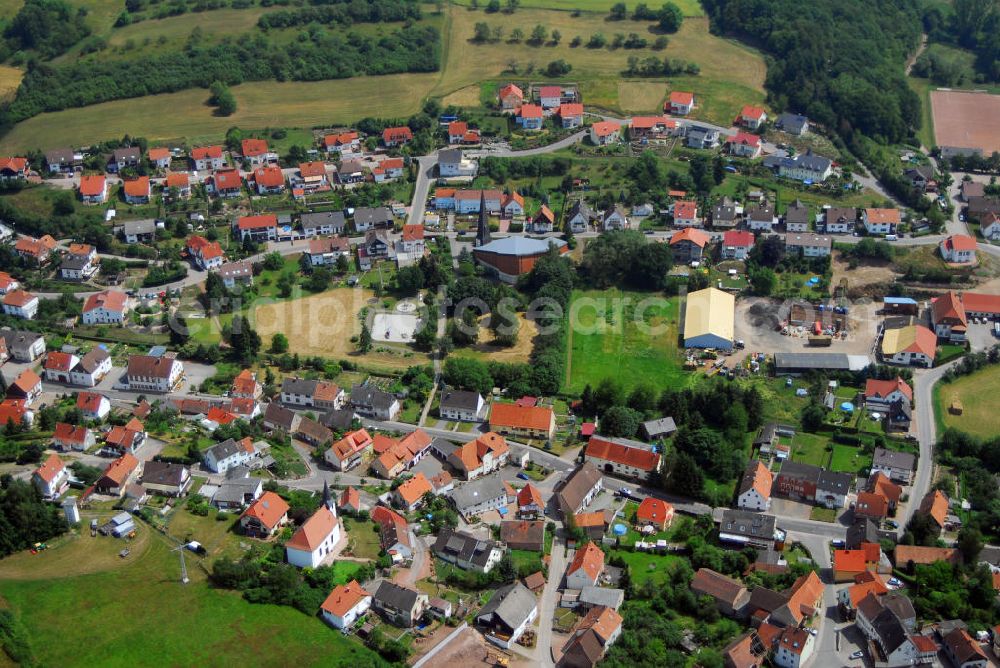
709,319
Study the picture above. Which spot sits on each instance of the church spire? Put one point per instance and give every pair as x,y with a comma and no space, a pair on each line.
326,495
483,231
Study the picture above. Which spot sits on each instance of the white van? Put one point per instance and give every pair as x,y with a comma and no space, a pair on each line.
891,237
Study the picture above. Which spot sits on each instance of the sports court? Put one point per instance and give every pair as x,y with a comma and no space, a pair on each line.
966,119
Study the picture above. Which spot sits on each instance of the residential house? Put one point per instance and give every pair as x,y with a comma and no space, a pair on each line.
312,393
586,567
833,488
549,97
793,124
236,273
79,263
544,221
512,206
397,136
730,596
137,190
269,180
147,373
226,183
350,501
898,466
58,365
622,457
348,452
312,432
258,228
159,157
401,606
507,615
127,438
849,564
27,386
511,97
531,422
656,513
754,492
208,158
317,538
93,367
570,115
685,214
62,160
808,245
688,245
725,214
478,496
39,251
880,221
906,557
467,551
166,478
366,218
797,217
751,117
346,144
880,394
604,133
591,638
277,417
68,437
679,103
795,647
394,533
389,169
658,429
958,249
762,217
802,167
530,503
265,516
452,163
949,318
747,528
20,304
914,345
322,223
963,651
412,239
921,178
737,244
935,505
614,218
255,152
396,456
462,406
327,251
8,283
410,494
653,129
702,136
581,217
578,489
109,307
137,231
530,117
93,189
51,478
204,253
526,535
345,605
117,476
93,406
229,454
744,145
122,158
458,133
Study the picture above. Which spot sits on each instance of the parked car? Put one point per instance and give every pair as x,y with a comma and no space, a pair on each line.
858,655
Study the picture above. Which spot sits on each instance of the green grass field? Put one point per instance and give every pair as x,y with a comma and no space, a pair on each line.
136,612
608,341
810,449
977,392
848,459
646,565
689,7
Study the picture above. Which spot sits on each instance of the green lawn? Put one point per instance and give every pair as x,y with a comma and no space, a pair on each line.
810,449
848,459
363,540
823,514
607,339
977,393
646,565
138,613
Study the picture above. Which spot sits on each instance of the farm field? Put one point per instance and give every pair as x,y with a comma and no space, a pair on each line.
115,632
611,343
323,324
10,79
689,7
977,393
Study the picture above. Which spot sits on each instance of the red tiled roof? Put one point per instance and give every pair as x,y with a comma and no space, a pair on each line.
640,458
695,236
605,128
344,598
397,134
137,187
203,152
341,139
227,179
120,469
458,128
177,180
269,508
351,498
270,176
13,164
111,300
686,209
681,97
26,381
882,216
871,504
18,298
935,504
549,91
511,415
413,232
257,222
69,433
314,168
654,510
978,302
750,111
253,147
960,242
92,185
948,306
738,238
530,111
744,138
50,468
590,558
530,495
89,402
569,110
313,531
849,560
883,388
158,153
511,89
58,361
413,489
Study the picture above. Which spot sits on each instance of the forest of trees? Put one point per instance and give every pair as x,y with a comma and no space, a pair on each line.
25,519
333,55
343,13
970,24
46,27
840,62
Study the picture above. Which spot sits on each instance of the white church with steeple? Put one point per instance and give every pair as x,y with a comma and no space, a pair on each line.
317,537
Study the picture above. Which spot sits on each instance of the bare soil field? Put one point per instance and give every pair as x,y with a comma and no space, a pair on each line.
468,649
517,353
861,277
966,119
323,325
756,320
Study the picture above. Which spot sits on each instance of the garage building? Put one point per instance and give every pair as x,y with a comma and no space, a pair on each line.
709,319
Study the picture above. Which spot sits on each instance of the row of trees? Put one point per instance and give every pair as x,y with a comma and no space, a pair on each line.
669,16
343,14
483,32
322,56
655,67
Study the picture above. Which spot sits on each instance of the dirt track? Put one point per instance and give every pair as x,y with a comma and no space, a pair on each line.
966,119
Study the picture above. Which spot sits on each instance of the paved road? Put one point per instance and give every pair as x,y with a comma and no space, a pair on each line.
550,597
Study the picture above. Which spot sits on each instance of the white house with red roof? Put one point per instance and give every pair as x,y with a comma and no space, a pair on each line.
51,478
179,180
316,539
58,366
752,117
107,307
138,190
511,97
512,205
530,117
623,457
680,103
8,283
13,168
958,249
397,136
93,189
388,169
794,648
72,437
208,157
737,244
412,239
259,228
686,214
653,129
225,183
586,567
265,516
27,386
990,226
744,145
269,180
880,394
347,144
571,114
94,406
20,304
205,254
603,133
256,152
159,157
457,131
345,605
549,97
880,221
656,513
